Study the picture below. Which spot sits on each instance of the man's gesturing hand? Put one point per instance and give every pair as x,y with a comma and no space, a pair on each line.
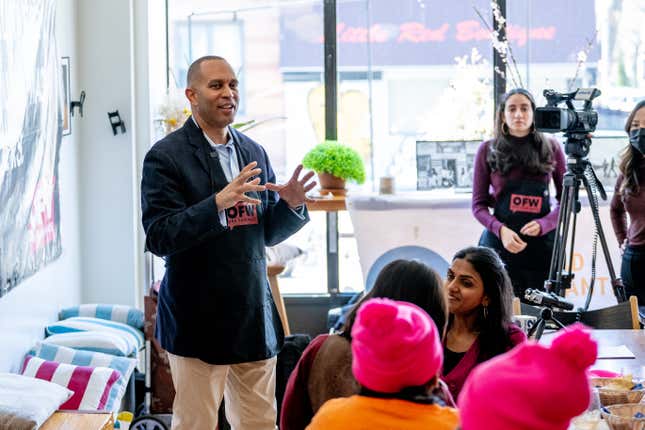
294,192
234,191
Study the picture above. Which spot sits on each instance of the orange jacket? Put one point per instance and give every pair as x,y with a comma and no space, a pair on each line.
369,413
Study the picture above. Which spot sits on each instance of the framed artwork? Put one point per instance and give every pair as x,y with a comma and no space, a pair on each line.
445,164
67,122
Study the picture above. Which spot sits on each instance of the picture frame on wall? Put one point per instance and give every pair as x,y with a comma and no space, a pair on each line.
65,76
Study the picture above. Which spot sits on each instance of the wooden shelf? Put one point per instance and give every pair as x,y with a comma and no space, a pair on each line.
327,204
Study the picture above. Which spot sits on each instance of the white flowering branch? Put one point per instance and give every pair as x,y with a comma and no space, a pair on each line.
581,58
463,110
501,46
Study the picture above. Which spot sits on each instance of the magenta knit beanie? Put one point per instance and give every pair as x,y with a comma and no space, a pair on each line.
394,345
531,387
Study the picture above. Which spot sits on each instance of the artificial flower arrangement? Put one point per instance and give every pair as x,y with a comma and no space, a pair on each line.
173,111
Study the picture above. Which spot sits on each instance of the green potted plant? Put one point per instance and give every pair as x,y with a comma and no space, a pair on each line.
335,164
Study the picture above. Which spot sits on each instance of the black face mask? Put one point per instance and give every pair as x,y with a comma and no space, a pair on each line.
637,139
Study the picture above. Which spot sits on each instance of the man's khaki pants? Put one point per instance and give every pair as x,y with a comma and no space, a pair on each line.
249,390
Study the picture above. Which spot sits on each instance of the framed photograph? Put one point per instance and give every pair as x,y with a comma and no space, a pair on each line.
445,164
67,121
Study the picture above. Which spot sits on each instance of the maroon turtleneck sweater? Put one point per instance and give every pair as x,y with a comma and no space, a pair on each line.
632,204
488,185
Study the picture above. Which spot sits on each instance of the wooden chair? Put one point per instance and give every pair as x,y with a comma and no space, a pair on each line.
620,316
517,306
272,273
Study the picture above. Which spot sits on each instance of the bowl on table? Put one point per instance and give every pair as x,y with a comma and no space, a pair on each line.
625,417
621,390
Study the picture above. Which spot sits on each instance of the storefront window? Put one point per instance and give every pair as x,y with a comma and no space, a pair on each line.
602,47
415,86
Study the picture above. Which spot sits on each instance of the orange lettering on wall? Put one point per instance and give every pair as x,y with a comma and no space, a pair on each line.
578,262
602,280
584,286
573,291
581,287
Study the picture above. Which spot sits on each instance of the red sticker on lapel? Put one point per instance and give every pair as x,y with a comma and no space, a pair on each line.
242,214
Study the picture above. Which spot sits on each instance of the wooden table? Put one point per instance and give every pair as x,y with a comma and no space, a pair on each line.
71,420
632,339
329,203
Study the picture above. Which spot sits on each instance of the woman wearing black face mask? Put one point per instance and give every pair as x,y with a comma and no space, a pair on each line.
629,199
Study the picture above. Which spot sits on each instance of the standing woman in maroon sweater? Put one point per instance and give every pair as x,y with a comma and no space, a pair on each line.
629,198
512,175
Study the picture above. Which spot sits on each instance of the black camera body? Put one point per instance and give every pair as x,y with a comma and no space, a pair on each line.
542,298
553,119
576,124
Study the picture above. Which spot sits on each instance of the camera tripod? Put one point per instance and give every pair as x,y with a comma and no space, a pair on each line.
546,315
579,171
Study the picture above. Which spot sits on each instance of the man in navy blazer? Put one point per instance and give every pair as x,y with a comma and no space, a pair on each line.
210,205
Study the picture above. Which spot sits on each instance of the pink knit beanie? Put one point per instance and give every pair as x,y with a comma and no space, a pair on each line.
532,387
394,345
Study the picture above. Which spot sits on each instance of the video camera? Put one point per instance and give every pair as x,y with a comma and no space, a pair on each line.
575,123
552,119
542,298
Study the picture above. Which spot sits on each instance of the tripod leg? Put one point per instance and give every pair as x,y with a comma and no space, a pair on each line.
572,245
617,285
567,207
557,322
537,329
562,221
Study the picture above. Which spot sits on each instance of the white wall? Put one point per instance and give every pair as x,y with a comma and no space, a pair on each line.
105,63
99,175
26,309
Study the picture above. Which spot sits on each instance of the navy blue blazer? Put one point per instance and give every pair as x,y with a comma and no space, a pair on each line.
215,303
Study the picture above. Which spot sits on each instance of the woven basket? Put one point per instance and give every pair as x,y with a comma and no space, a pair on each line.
621,417
609,396
590,420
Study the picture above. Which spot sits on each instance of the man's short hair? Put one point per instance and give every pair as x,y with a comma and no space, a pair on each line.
193,70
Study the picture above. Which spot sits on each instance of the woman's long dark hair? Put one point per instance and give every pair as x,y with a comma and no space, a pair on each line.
535,158
493,329
630,159
407,281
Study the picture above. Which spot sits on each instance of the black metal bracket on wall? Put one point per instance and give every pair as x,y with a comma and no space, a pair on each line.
116,122
77,103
